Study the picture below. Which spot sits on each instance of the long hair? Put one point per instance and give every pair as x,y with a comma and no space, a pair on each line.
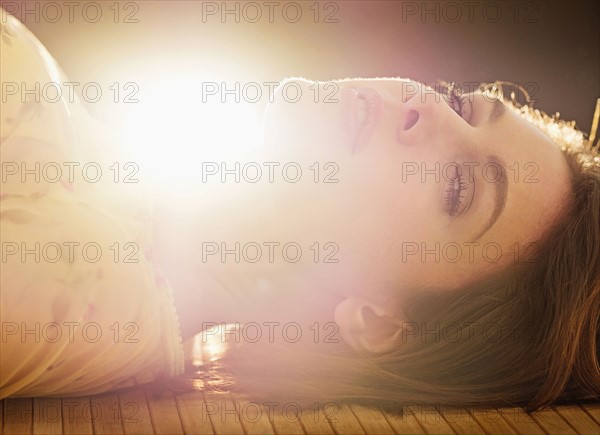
527,336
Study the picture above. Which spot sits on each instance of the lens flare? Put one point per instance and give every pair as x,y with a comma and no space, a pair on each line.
174,127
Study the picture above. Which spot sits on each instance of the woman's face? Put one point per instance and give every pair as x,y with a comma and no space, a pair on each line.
424,198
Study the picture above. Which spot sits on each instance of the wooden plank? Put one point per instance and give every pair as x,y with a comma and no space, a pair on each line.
192,411
222,413
77,416
134,412
1,416
372,420
492,421
579,419
254,417
314,417
552,422
593,410
461,421
18,416
47,416
106,414
233,414
285,418
521,421
429,418
163,414
344,421
403,421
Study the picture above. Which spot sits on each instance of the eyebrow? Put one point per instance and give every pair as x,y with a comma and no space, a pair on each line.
500,193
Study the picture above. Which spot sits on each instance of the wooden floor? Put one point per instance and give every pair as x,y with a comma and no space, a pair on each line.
136,411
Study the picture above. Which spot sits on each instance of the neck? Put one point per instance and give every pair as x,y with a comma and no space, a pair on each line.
207,249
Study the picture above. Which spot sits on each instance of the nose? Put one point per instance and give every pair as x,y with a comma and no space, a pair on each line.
420,116
412,117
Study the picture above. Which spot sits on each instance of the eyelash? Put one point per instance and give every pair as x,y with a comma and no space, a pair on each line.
453,195
456,103
455,98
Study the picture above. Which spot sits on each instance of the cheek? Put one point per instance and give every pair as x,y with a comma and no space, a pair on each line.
403,231
387,217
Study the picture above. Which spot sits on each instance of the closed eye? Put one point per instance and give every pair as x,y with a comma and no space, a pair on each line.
460,103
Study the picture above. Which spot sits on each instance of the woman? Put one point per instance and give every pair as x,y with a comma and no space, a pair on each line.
438,241
466,254
540,302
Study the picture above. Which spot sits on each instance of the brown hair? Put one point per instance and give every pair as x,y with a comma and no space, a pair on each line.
526,336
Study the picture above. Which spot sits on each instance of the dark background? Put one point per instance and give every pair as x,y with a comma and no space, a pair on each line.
550,47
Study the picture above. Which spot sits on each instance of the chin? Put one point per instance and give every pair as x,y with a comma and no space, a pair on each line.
304,121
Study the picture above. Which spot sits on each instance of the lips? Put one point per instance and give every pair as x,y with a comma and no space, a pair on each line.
362,107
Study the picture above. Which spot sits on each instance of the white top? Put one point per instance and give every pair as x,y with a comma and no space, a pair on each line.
83,309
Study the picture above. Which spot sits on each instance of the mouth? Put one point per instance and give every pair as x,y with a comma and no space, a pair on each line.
362,107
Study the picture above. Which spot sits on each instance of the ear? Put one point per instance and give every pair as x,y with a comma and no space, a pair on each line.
366,326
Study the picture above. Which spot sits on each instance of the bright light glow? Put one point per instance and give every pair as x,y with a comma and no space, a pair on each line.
211,345
171,131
